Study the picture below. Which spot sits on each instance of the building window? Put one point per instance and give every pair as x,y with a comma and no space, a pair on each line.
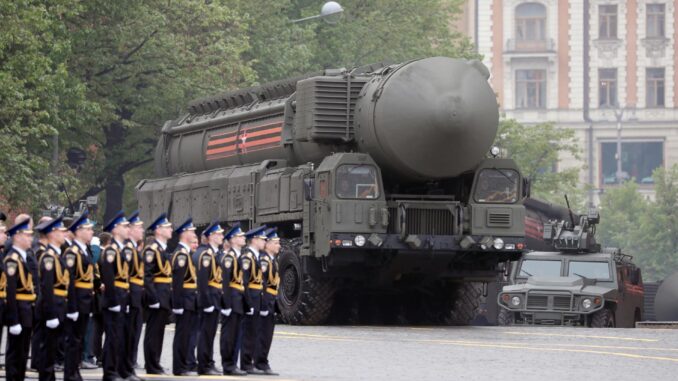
530,26
638,161
655,87
607,87
530,89
608,22
655,20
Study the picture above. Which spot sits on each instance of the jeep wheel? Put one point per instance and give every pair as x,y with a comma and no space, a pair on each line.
303,300
603,319
505,317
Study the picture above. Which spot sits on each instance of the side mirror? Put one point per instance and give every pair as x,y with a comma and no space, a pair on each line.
635,277
308,189
527,188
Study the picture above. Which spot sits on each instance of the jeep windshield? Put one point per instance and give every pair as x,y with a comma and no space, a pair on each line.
591,270
542,268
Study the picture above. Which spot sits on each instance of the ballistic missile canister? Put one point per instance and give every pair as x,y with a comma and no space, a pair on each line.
420,120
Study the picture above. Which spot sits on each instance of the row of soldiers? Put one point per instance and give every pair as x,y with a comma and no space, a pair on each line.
232,277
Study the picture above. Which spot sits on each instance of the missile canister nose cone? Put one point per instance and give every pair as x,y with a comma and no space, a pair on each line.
428,119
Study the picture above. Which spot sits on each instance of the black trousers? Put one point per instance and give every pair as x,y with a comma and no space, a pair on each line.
114,325
16,357
230,327
75,336
36,339
249,341
46,352
185,327
208,331
153,339
265,330
133,323
96,337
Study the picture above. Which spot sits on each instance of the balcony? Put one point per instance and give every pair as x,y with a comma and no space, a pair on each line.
530,48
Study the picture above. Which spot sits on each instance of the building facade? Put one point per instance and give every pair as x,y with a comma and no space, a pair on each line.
605,68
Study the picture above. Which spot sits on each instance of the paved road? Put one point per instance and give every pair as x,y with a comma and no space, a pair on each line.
466,353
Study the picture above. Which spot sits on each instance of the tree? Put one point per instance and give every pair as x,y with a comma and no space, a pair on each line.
141,62
369,32
39,99
648,230
536,150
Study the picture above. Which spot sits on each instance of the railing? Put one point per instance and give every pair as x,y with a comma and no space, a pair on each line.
530,46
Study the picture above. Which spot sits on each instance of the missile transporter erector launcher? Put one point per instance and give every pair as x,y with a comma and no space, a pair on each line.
378,178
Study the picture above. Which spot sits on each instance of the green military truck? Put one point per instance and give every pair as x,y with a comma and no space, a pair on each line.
580,284
381,179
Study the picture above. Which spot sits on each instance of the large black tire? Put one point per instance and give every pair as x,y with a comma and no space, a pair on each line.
505,317
603,319
302,299
468,297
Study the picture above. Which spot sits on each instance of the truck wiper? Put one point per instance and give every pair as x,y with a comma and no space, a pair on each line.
526,273
513,182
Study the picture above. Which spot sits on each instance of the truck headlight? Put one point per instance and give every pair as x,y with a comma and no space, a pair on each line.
515,301
498,243
360,240
586,303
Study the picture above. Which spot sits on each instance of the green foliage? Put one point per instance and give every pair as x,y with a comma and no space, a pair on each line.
369,31
536,150
105,75
38,99
648,230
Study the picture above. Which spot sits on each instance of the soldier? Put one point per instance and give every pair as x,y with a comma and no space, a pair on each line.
134,319
39,247
206,259
51,307
114,276
20,300
157,287
184,299
252,281
268,260
3,277
84,276
232,300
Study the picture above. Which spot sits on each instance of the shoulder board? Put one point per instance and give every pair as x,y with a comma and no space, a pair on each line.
14,257
153,246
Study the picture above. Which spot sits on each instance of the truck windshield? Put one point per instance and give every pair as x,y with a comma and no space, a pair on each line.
592,270
534,267
497,186
357,181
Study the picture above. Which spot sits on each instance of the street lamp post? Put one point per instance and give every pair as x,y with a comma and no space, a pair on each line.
619,114
330,13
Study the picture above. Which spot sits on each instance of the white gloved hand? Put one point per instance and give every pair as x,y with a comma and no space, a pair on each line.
250,312
15,329
154,306
73,316
127,310
226,312
53,323
208,310
179,311
263,313
114,308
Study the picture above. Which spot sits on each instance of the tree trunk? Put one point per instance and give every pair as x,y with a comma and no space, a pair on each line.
115,187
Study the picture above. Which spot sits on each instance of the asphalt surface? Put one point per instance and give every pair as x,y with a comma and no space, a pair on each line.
460,353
